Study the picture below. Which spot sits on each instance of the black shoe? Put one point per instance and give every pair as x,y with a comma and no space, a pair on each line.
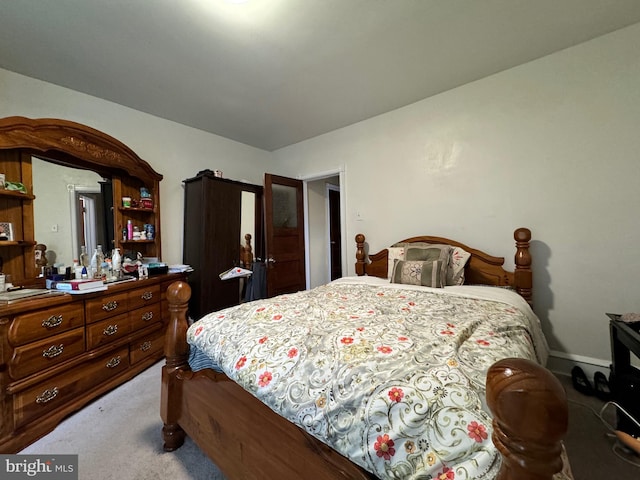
580,381
601,384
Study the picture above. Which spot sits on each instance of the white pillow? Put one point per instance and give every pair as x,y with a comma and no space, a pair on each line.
394,253
457,261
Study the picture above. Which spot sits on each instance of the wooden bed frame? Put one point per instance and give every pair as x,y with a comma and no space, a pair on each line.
247,440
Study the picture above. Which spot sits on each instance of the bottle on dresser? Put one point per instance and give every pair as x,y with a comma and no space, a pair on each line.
96,262
85,264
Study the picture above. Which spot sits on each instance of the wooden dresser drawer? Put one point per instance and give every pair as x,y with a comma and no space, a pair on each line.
37,356
44,323
106,306
147,346
145,316
58,391
144,296
108,330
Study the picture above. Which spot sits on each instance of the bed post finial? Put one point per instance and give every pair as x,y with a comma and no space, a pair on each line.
523,277
531,416
360,255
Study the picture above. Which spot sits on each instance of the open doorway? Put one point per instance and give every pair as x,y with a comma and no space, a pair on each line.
325,228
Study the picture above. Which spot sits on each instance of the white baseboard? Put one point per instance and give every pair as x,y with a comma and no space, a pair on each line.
562,363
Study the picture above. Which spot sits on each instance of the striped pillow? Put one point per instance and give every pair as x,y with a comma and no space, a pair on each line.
431,273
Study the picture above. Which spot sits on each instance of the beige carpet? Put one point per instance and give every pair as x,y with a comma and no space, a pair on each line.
118,437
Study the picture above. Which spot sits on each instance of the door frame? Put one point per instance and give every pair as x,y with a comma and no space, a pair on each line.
340,172
74,191
328,189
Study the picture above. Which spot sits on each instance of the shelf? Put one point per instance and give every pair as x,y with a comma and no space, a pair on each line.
14,194
136,209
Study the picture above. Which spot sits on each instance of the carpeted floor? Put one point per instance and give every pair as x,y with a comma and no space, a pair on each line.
118,437
593,453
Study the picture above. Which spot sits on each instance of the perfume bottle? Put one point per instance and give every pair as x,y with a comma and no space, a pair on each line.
84,257
96,262
116,262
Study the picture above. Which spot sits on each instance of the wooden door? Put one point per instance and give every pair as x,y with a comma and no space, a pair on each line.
284,228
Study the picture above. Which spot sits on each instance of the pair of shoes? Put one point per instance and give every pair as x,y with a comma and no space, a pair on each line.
601,384
580,381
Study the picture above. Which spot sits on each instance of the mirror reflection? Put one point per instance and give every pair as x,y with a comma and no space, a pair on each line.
72,208
247,216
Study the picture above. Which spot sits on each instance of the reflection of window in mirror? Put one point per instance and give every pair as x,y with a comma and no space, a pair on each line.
69,210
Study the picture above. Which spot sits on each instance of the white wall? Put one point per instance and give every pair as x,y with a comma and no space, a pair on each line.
552,145
176,151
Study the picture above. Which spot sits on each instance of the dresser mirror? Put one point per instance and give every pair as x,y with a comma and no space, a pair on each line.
73,208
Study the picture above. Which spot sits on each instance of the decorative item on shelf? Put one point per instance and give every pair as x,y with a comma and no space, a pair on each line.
15,186
6,231
217,173
146,203
144,192
2,179
150,230
126,202
41,255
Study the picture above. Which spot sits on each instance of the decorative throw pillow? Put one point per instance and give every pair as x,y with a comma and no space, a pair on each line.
430,273
394,253
427,252
457,261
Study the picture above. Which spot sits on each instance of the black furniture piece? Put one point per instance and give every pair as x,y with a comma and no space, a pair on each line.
214,208
625,379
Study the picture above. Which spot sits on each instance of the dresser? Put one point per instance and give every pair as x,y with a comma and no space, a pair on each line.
61,351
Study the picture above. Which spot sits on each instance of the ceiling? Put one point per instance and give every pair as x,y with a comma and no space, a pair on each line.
270,73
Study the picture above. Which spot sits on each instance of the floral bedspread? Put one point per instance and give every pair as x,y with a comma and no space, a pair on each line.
390,377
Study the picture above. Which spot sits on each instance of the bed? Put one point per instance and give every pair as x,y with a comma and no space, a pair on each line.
427,364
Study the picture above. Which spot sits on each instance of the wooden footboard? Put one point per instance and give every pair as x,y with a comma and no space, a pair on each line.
240,434
247,440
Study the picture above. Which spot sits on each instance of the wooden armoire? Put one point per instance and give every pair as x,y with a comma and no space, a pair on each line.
217,211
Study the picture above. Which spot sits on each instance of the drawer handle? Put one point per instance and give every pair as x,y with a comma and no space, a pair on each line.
47,395
145,346
114,362
110,330
53,351
147,316
147,295
52,322
110,306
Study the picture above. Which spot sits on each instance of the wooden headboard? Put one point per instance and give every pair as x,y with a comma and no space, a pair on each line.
481,268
